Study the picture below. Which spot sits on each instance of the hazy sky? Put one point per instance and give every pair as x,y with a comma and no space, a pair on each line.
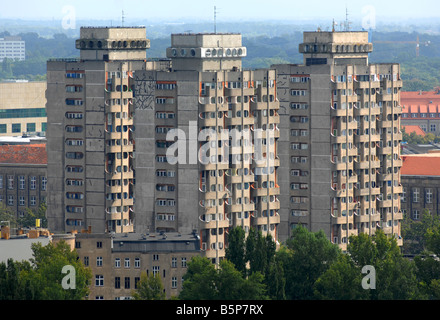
183,10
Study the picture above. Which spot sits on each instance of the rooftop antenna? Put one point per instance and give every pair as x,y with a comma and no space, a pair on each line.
215,19
122,18
347,22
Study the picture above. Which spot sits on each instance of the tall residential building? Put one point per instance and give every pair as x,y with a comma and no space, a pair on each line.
206,143
216,169
340,139
90,143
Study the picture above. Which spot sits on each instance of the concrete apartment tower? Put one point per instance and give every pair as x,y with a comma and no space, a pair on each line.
188,180
90,141
340,139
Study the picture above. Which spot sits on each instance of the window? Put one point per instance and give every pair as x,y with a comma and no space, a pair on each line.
21,182
174,282
428,195
137,263
117,262
99,261
415,195
74,88
403,196
173,262
30,127
16,127
117,283
33,201
10,200
156,270
127,263
127,282
2,128
99,244
21,201
298,92
43,183
33,183
99,280
416,214
183,262
432,127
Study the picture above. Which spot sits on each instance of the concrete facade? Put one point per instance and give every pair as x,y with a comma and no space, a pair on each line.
218,184
340,136
90,132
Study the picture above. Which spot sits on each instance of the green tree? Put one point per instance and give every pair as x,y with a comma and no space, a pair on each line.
150,287
414,232
395,275
342,281
31,215
6,214
199,281
235,252
45,277
204,282
310,254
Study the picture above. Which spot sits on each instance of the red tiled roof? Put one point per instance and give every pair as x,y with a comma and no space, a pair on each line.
417,97
414,128
421,164
23,154
427,101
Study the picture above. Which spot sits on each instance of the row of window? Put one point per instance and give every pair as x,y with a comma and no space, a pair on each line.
21,200
99,281
16,127
21,182
421,115
416,195
23,113
127,261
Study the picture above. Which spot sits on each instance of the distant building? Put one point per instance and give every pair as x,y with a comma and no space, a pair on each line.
23,176
118,260
421,108
22,108
12,48
420,176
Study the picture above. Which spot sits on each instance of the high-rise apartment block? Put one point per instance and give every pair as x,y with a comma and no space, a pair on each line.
206,142
200,103
195,143
91,143
340,139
